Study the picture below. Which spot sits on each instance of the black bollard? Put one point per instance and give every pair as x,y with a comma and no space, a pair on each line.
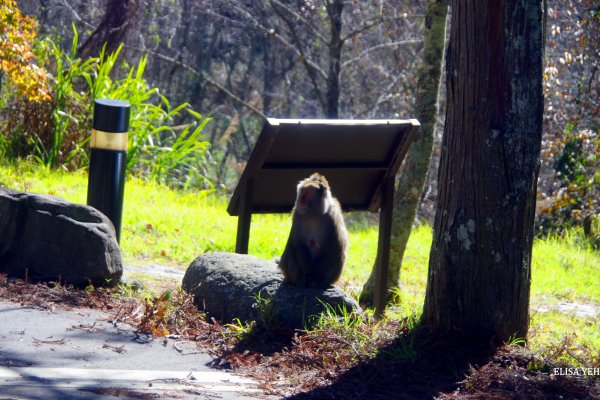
108,159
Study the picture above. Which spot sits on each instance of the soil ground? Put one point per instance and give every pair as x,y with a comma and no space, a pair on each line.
322,365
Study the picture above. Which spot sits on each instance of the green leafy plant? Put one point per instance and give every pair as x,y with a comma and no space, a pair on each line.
69,119
514,340
537,363
404,350
238,329
56,132
337,318
180,158
266,313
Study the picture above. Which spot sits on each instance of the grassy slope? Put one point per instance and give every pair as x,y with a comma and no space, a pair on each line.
167,227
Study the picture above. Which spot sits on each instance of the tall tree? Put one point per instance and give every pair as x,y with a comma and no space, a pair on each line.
334,11
413,173
480,261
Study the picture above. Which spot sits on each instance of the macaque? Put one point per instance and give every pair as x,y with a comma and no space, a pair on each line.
315,252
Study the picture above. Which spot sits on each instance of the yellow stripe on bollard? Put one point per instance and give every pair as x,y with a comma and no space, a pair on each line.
109,140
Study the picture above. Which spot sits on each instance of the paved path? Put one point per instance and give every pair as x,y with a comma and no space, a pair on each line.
79,354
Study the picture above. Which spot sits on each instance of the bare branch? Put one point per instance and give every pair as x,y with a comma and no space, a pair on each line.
301,19
380,46
365,27
383,98
205,77
77,17
273,33
378,20
303,58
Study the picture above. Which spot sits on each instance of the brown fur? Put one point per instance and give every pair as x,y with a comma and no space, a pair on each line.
315,252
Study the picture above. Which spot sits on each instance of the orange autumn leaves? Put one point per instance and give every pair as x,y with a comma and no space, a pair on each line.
17,33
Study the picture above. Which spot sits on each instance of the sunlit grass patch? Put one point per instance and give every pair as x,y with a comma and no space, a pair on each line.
566,336
28,177
566,268
162,225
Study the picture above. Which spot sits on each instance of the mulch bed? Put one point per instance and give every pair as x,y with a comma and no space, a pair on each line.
326,364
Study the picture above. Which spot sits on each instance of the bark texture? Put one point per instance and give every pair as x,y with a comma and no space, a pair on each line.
413,173
334,11
480,262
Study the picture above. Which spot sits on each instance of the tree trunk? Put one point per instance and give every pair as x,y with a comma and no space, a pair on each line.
118,18
334,11
413,173
268,73
480,261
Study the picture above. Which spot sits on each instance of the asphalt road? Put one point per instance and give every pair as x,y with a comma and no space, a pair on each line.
79,354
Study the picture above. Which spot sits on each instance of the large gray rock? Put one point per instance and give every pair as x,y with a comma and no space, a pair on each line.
49,239
230,286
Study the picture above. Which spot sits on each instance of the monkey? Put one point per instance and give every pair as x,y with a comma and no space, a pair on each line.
315,252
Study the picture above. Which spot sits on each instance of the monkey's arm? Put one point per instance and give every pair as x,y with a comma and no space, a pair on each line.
295,259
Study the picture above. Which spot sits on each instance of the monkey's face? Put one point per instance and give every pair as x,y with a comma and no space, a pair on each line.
311,199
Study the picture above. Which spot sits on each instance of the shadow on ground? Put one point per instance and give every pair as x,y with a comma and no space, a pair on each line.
420,366
414,366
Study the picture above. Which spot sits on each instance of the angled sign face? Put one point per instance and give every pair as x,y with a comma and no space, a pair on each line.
356,157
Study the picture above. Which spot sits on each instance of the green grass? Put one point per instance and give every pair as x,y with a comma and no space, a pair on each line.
566,268
565,274
172,228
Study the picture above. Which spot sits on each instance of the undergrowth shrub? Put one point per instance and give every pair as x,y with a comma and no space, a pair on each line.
576,202
166,143
17,59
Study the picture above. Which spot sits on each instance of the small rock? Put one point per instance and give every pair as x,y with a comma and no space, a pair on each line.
133,284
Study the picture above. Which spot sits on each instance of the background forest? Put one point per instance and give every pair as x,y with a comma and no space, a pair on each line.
236,62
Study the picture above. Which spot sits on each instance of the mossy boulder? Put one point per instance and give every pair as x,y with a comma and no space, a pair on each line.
44,238
229,286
